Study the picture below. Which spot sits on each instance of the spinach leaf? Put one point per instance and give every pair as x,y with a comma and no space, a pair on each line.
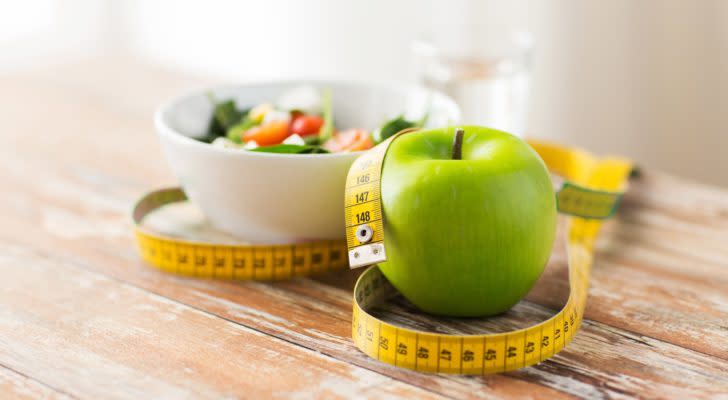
214,130
224,116
391,127
397,124
291,149
327,130
313,140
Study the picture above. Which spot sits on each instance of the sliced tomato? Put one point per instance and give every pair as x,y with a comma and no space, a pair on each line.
349,140
269,133
305,125
295,114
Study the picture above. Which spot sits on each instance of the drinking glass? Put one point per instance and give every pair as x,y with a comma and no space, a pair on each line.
486,71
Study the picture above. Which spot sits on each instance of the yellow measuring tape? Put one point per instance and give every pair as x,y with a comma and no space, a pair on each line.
590,194
237,262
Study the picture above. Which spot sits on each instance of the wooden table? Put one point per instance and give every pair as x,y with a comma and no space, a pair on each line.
81,316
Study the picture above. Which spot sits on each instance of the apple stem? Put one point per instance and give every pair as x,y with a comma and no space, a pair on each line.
457,144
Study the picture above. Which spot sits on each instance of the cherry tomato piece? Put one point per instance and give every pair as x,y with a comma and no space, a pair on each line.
267,134
305,125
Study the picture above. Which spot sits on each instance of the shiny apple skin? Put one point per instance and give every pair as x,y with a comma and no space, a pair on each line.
466,237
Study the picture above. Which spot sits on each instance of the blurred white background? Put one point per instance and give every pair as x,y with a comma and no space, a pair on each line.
647,79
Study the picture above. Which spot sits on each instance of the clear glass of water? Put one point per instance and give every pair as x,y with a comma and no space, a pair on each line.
485,72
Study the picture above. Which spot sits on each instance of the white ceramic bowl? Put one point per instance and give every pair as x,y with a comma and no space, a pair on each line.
280,198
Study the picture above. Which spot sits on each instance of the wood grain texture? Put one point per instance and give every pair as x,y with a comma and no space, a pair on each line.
94,336
92,316
17,386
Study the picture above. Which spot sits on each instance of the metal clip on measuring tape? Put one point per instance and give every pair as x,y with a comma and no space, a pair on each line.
591,194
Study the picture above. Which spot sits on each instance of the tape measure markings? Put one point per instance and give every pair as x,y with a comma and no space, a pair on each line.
571,198
362,207
229,261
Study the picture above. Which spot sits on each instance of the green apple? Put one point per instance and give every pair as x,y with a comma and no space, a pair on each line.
467,236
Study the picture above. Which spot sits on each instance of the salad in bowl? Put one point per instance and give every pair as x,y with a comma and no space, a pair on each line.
300,121
267,162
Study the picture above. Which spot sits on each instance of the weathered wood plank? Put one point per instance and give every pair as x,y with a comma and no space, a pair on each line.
664,280
316,316
95,337
16,386
269,308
